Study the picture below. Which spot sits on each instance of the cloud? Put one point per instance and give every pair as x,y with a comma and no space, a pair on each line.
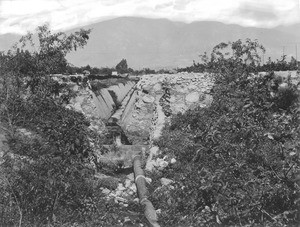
164,5
256,13
19,16
266,13
181,4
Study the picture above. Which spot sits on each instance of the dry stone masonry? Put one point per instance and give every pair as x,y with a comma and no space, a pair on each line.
157,96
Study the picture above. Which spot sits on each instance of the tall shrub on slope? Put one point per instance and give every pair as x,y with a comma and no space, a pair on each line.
45,176
238,160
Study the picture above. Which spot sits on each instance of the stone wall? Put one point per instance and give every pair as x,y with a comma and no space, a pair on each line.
157,97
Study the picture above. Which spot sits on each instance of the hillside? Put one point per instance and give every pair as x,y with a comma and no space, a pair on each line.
158,43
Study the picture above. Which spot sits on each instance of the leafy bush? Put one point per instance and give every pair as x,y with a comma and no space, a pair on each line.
237,159
47,172
97,86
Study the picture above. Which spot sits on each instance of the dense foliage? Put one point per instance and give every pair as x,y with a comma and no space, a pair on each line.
248,53
121,68
93,70
46,173
237,160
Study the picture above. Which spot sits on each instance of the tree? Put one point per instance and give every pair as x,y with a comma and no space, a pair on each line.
238,53
46,171
51,49
122,66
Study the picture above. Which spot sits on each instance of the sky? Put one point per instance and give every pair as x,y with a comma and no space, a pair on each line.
20,16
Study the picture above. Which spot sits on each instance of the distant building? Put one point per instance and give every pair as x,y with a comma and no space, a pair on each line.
86,72
114,73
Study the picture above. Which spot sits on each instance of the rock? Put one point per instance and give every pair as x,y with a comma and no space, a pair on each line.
166,181
120,199
173,160
75,88
130,176
179,107
77,107
127,183
150,165
192,97
148,180
146,88
139,105
25,132
105,191
283,86
121,187
161,163
118,193
148,99
193,87
94,127
133,188
207,100
154,150
180,88
157,87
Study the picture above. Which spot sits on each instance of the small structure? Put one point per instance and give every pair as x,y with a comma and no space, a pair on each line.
86,72
114,73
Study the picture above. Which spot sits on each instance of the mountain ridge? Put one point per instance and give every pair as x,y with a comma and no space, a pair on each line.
161,43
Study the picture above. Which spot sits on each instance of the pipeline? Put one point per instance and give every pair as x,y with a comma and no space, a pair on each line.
140,182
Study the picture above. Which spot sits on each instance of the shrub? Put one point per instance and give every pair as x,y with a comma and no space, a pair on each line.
46,172
115,99
237,159
97,86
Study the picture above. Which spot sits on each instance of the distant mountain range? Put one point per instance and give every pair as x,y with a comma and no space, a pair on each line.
161,43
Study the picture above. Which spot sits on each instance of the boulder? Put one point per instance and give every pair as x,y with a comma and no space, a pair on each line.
148,99
146,88
121,187
173,160
150,165
105,191
157,87
165,181
172,98
192,97
154,150
207,100
283,86
130,176
127,183
77,107
75,88
179,107
161,163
